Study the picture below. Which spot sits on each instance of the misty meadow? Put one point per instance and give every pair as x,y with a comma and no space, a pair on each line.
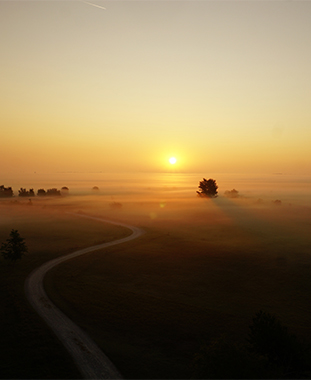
179,300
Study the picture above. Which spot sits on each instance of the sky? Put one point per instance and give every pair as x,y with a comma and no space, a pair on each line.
223,86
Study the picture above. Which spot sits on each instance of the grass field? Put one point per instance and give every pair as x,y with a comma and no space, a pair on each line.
28,349
202,270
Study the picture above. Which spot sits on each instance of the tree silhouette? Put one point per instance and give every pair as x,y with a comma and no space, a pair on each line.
208,188
14,248
271,353
53,192
24,193
270,339
6,192
41,192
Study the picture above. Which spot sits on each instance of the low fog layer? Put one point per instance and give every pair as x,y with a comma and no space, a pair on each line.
274,208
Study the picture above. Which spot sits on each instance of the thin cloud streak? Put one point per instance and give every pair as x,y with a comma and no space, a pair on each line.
94,5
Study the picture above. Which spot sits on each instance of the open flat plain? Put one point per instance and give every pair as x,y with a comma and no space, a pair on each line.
202,270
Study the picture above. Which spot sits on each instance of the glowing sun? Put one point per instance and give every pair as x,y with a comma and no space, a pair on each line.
172,160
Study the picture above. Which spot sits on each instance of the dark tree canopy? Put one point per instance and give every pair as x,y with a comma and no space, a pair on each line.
50,192
41,192
53,192
270,339
271,352
14,248
5,192
208,188
24,193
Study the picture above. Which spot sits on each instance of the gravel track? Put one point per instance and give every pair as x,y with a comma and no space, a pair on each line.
90,360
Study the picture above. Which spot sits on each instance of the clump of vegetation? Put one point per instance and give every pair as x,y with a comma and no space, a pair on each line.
41,192
208,188
24,193
53,192
283,351
14,248
270,352
232,193
6,192
50,192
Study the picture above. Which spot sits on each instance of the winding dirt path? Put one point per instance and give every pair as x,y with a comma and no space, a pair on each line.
91,361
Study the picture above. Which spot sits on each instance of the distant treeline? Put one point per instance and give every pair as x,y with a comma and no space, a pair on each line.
7,192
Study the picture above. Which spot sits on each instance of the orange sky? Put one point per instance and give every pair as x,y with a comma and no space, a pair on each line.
222,85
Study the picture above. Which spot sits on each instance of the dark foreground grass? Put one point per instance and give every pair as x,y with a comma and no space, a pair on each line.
28,349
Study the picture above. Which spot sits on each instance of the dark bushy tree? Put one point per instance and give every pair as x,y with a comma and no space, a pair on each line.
270,339
6,192
24,193
271,353
41,192
53,192
14,248
50,192
208,188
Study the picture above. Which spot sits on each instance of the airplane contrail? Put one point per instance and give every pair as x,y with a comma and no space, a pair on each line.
94,5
